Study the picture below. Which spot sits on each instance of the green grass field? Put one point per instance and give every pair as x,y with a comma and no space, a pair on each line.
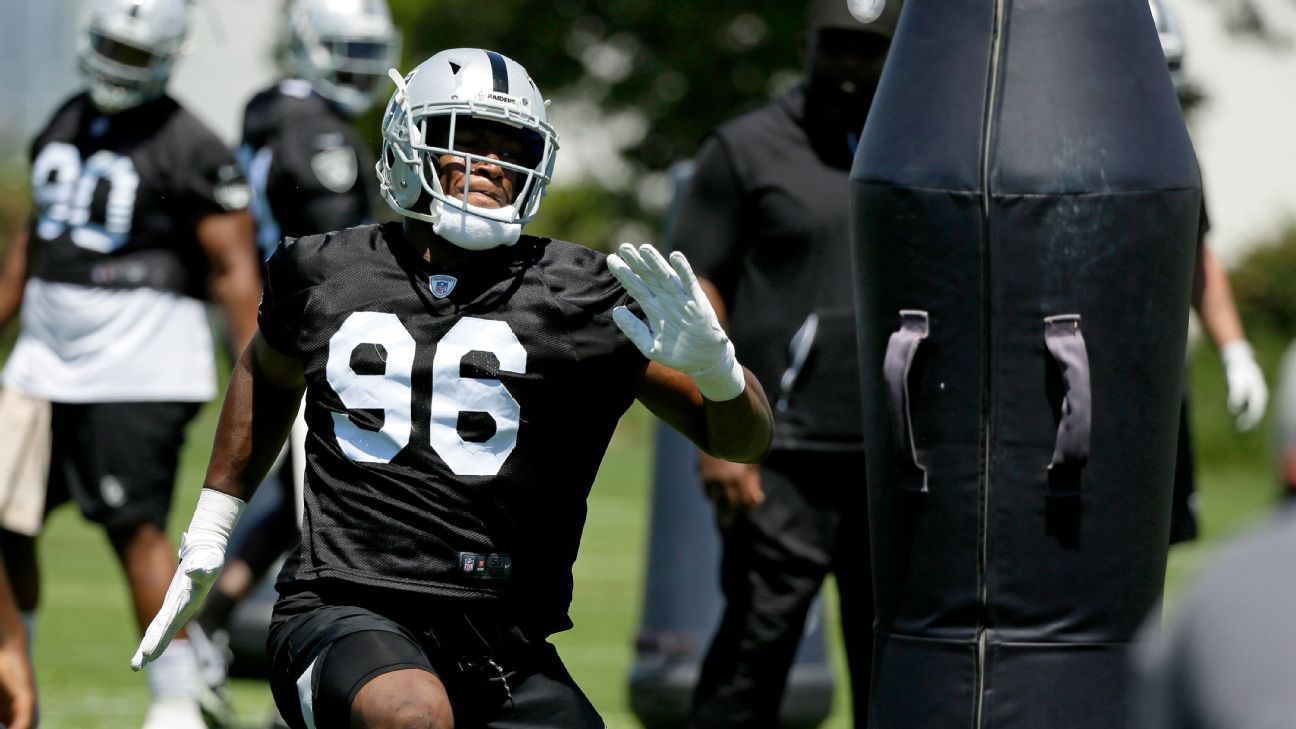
86,638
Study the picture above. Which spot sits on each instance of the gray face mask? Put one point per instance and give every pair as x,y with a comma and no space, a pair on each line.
474,232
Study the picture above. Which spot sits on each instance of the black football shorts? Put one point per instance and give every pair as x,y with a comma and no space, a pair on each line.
117,460
323,650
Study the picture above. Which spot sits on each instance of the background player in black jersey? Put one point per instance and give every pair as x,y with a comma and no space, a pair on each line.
765,220
308,166
139,216
309,171
462,382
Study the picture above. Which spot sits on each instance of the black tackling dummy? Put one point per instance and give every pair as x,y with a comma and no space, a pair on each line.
1026,204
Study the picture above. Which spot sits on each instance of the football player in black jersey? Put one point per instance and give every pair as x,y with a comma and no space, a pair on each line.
309,172
308,166
462,382
139,214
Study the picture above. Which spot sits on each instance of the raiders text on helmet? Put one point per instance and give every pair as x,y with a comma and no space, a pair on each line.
128,47
420,123
342,47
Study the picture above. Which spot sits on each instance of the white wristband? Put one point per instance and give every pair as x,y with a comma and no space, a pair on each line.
213,521
724,380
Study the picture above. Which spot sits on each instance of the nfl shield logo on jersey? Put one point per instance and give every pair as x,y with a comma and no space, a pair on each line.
442,285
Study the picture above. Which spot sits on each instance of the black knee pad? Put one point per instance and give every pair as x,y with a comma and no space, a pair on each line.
352,661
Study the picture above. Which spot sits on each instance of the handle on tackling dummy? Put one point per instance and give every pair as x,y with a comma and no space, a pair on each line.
202,555
897,364
682,331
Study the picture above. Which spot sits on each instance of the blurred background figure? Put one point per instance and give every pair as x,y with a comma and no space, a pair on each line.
1226,659
139,215
765,221
310,172
1284,430
17,689
1212,299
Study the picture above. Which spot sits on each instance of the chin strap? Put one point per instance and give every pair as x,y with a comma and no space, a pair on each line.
471,231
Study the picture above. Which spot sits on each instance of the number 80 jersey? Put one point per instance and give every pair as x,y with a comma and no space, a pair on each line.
457,419
113,311
118,197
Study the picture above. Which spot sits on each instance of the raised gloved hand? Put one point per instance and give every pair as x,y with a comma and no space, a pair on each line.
682,331
202,556
1247,393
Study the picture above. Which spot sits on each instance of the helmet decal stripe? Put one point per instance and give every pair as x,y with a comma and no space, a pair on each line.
499,71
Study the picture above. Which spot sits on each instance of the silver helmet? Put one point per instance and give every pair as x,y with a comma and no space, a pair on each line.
1172,42
420,123
342,47
127,49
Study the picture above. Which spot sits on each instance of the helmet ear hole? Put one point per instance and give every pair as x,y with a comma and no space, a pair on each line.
408,188
402,178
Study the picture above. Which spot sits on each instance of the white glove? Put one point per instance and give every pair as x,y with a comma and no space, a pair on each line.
1247,394
866,11
202,555
682,332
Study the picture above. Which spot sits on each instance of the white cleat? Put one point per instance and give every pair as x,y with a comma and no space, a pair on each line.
213,658
174,714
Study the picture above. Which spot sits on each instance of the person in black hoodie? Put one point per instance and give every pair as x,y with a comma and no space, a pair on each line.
765,221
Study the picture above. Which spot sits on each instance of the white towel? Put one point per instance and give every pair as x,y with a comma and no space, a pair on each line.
24,461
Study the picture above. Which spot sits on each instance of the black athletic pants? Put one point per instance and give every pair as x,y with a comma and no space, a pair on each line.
814,520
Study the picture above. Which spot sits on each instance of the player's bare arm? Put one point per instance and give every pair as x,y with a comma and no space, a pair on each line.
13,277
261,402
693,380
228,241
737,430
264,392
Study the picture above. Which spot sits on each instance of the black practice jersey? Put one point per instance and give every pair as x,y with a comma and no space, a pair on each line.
456,423
118,197
766,218
309,169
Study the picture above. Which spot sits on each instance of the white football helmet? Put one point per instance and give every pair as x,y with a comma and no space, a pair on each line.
1172,42
420,122
342,47
127,49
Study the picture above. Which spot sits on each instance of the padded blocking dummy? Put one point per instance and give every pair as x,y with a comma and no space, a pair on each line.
1026,202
